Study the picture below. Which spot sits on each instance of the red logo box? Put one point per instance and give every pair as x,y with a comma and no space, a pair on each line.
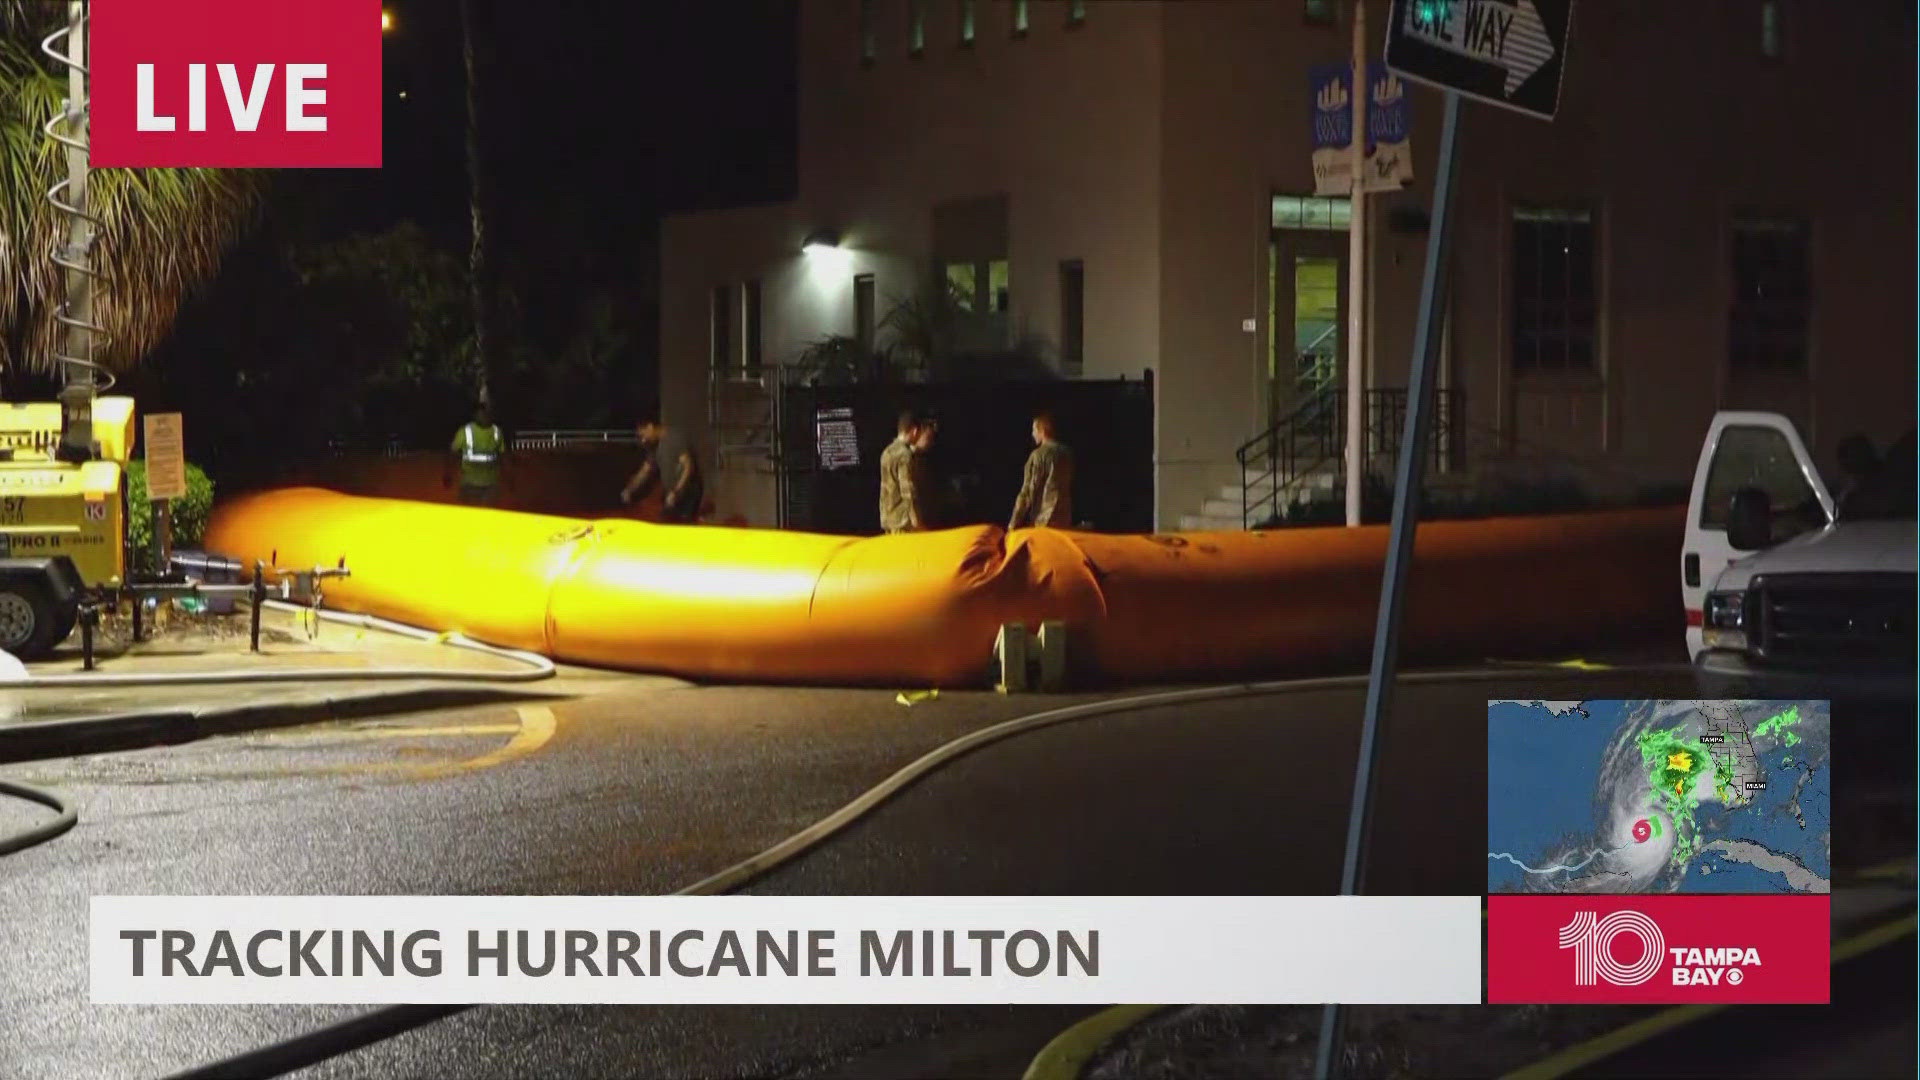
1566,950
235,83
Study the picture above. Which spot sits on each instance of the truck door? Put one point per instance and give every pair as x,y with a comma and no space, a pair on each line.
1744,449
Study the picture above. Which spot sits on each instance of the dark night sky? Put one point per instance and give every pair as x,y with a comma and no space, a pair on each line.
629,108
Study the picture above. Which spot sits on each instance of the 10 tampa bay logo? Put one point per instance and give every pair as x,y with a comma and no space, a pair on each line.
1593,948
1592,940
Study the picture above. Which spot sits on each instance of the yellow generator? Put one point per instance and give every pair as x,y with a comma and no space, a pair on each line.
62,524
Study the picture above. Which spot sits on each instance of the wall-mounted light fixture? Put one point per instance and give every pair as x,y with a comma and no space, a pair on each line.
820,241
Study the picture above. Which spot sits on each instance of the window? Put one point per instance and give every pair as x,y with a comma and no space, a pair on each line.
863,311
916,27
1321,12
1770,30
750,327
1297,212
1760,457
999,298
1020,15
963,282
1073,306
967,27
1076,13
1772,305
869,37
1553,290
720,345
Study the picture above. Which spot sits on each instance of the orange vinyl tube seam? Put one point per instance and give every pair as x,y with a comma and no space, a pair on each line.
923,609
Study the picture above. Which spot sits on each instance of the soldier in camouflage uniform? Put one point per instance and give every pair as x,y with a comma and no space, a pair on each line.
1046,493
904,487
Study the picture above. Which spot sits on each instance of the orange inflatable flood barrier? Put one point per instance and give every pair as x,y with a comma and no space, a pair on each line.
923,609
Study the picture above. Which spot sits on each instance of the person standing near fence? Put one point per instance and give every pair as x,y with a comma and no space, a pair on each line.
904,486
670,461
478,451
1046,491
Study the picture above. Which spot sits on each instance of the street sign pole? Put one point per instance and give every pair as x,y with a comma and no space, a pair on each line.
1357,272
1386,638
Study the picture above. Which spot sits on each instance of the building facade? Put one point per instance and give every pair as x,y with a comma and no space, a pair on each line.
1721,216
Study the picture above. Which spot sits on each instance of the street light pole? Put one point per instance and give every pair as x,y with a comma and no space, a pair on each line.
1357,273
476,208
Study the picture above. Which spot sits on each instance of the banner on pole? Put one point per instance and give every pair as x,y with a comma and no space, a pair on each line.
1389,163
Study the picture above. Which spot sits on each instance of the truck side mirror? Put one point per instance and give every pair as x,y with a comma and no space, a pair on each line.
1750,520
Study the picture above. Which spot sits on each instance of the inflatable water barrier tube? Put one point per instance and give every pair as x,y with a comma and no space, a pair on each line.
923,609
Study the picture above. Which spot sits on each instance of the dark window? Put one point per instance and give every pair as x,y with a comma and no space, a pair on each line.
750,327
1076,12
1772,34
967,27
1073,306
863,311
1321,12
916,27
1554,307
1020,18
1772,301
720,353
869,37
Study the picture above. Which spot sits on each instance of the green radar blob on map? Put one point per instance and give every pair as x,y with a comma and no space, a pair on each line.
1673,764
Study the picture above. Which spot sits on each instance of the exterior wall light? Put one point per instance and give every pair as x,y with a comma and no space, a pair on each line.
820,241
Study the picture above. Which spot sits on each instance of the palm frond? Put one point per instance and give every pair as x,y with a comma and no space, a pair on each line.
165,230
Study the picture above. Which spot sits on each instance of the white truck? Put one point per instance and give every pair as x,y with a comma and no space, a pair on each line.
1790,587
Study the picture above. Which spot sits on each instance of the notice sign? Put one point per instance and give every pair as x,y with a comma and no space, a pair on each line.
1389,160
799,950
166,457
837,442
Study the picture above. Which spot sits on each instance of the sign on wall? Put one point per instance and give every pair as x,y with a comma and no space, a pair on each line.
1389,163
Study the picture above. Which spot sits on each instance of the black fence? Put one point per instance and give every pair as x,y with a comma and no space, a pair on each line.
830,439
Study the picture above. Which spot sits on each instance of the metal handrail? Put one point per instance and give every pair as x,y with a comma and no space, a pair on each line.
1312,439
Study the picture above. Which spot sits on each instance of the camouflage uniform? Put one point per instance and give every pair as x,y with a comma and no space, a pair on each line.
903,488
1046,494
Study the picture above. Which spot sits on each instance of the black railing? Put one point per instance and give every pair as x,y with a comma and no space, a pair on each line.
1312,439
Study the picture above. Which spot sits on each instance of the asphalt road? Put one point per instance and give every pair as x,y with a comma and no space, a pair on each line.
649,790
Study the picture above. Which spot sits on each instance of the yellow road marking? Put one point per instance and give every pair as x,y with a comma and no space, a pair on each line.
1605,1046
537,725
445,732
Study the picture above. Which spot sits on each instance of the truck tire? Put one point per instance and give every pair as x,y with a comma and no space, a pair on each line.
29,620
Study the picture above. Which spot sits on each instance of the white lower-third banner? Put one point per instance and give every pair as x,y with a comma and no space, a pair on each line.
753,950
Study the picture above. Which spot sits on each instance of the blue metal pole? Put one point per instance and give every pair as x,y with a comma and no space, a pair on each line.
1406,489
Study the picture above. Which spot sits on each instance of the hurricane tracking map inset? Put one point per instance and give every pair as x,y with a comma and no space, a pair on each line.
1658,796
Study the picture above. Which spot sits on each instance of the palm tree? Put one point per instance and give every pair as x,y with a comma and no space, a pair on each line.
163,232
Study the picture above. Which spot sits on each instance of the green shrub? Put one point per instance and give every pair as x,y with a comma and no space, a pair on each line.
189,514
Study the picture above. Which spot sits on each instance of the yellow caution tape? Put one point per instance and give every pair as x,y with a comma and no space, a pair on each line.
910,698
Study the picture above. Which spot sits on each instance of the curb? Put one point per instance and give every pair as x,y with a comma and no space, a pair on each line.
1071,1050
43,739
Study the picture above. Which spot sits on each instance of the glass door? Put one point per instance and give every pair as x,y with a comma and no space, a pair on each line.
1307,298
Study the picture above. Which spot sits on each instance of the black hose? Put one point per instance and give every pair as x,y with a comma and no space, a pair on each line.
39,834
316,1046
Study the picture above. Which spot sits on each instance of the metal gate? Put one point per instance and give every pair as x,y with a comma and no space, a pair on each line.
830,437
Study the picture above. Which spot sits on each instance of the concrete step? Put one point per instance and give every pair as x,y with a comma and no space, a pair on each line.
1210,523
1228,508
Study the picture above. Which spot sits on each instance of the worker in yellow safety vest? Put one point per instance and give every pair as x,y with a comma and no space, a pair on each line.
478,449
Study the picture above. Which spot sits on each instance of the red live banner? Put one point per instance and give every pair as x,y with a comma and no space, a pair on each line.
235,83
1670,949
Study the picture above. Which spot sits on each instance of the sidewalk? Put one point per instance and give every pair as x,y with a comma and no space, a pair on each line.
58,721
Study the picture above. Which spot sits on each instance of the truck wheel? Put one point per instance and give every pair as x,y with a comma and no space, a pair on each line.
28,622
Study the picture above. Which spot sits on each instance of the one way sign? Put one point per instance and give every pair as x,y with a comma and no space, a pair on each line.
1505,52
